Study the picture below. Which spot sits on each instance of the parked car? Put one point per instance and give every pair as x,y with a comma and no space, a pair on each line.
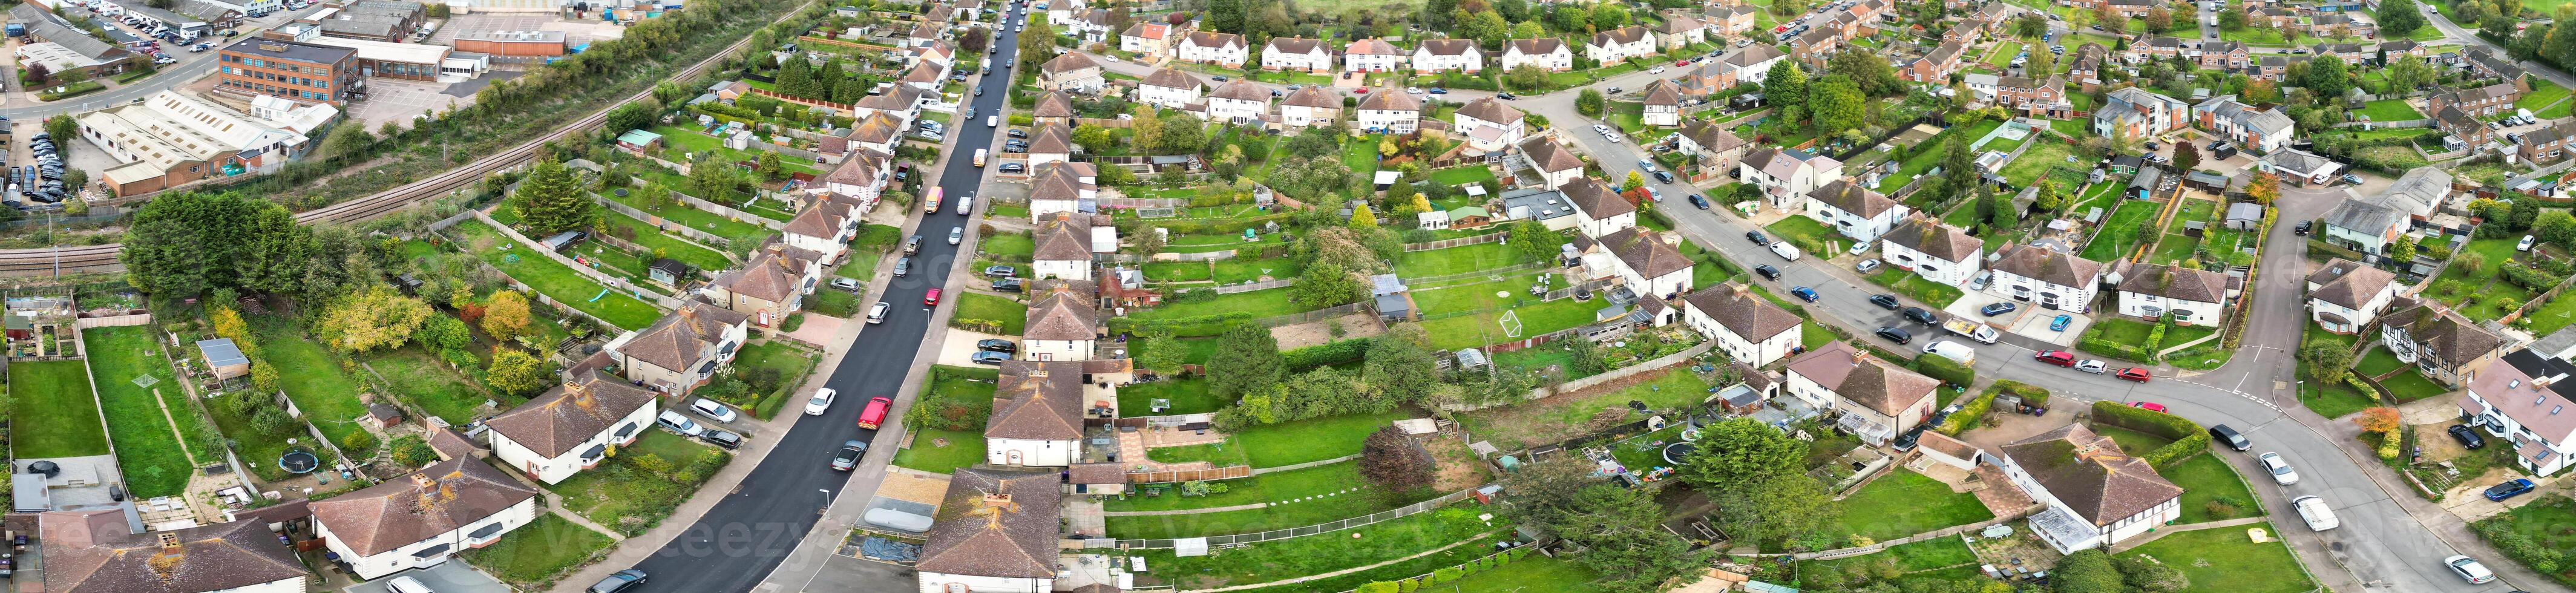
1998,308
1757,238
1885,301
2525,245
712,410
848,456
2468,437
997,345
2092,366
672,419
1865,266
821,402
1860,247
2469,568
2315,512
1699,201
1978,282
874,415
1767,271
1008,285
722,438
1506,96
1014,168
848,284
2059,324
2302,229
1921,315
2280,468
2134,374
2509,489
1804,293
1001,272
990,358
2148,406
930,298
2223,435
2055,357
1663,176
912,245
1784,250
622,581
1894,335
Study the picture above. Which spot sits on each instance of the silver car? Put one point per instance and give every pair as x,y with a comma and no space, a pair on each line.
2280,468
2092,366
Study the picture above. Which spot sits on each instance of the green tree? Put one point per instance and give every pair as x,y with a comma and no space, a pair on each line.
2526,212
1487,28
2159,20
1037,41
1326,284
2186,156
550,200
1389,458
345,140
1246,360
2407,73
2398,18
506,316
1093,138
1526,77
517,372
1635,180
1609,15
1161,353
1526,30
1786,85
2327,361
1534,241
1183,136
2561,45
2403,248
1590,102
1738,452
365,321
2555,226
63,129
1835,103
2047,198
1785,506
2327,76
2086,571
633,115
770,167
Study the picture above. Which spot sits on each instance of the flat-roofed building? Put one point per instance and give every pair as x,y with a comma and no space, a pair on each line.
170,138
304,72
511,43
53,42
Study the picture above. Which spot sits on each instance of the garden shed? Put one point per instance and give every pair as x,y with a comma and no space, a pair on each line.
224,358
2244,216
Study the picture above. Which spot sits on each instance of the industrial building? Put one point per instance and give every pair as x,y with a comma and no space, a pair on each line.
512,44
169,138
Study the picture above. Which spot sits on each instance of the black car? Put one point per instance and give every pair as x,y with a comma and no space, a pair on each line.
1008,285
2468,437
1664,176
990,358
997,345
1767,271
1887,301
1894,335
1505,96
2229,437
848,456
1921,315
1700,201
1019,133
722,438
1757,238
624,580
2303,227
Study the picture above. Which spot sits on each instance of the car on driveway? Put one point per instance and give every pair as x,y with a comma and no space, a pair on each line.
848,456
712,410
821,402
1978,282
997,345
2509,489
672,419
2469,568
2468,437
848,284
1804,293
1865,266
1885,301
2055,357
2059,324
2135,374
721,438
990,357
1001,272
2280,468
2148,406
2094,366
1767,271
1998,308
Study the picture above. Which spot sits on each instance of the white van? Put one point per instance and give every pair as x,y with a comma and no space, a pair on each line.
1953,351
965,205
992,121
405,584
1786,251
2315,512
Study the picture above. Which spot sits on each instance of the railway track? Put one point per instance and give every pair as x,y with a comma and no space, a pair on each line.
103,258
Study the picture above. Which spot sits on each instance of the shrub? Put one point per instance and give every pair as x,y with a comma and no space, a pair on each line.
1948,371
2143,420
1446,574
360,444
1326,354
2030,394
1969,413
2177,451
2521,547
1379,587
411,451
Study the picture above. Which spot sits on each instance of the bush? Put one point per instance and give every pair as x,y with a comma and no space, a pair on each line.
1947,371
1379,587
360,444
411,451
2536,280
2177,451
1332,353
1969,413
2521,547
1446,574
2030,394
2143,420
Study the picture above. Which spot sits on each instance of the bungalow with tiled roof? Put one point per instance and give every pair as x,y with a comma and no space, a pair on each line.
1556,166
2345,296
682,350
997,531
423,518
1877,399
2096,494
98,551
572,427
1745,326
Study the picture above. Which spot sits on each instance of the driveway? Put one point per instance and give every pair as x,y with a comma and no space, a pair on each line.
448,577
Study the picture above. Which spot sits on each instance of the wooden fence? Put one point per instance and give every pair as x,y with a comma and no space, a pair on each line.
1319,528
1190,475
1458,242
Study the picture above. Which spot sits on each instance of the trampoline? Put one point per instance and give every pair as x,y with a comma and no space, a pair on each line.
299,461
1676,452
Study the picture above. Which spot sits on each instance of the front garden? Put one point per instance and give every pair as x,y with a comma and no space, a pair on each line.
2227,560
535,554
641,484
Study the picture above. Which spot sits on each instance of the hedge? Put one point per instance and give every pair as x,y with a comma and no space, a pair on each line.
1327,354
1948,371
2536,280
1971,412
2188,438
2030,394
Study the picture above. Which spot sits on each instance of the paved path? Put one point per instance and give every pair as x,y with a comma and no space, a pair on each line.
1344,571
1239,507
554,505
1263,470
2161,532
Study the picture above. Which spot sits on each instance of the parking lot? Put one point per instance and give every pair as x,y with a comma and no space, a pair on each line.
400,100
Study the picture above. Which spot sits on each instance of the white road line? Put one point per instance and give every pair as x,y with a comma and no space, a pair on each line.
2248,396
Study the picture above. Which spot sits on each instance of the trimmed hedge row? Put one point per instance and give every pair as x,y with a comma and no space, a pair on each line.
2092,342
1975,410
1444,575
2537,280
1948,371
1327,354
2188,439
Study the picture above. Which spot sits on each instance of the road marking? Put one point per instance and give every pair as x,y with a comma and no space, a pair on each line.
2248,396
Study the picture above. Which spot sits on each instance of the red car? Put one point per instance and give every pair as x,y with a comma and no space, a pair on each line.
2148,406
2139,375
1360,91
932,298
2055,357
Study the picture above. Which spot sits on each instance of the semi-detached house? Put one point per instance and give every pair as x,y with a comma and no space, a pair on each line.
1037,415
1616,45
2546,145
1546,53
1447,55
1645,263
1292,53
1239,101
1064,247
1599,208
98,551
683,349
1744,325
1073,72
1663,104
1388,112
1934,67
2185,295
1210,47
1877,399
1716,148
2345,296
423,518
1372,55
571,428
2444,346
2259,130
1556,166
1787,175
1937,252
1169,88
1063,321
1310,107
1489,124
1150,39
2525,403
2096,494
2039,275
1854,211
770,286
2137,113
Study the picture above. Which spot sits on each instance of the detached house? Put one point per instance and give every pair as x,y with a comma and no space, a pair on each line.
1169,88
682,350
1716,148
1546,53
1150,39
1556,166
571,428
1395,113
1877,399
2345,296
1291,53
1071,72
423,518
1937,252
2525,403
1602,211
1444,55
2259,130
1616,45
1647,265
1489,124
1663,104
996,532
2139,114
1854,211
2096,494
2037,274
2155,291
1787,175
1063,321
1064,247
2443,345
1209,47
1372,55
1037,415
1061,187
770,286
1310,107
1744,326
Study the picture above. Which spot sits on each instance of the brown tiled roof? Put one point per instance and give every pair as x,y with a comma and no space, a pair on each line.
1068,62
1053,138
1622,35
1490,112
553,424
924,71
2173,282
1096,473
1542,45
1448,47
1679,24
1054,104
1850,197
815,220
995,523
673,341
1063,236
1294,45
1391,101
1740,311
1864,379
1055,180
1547,156
1037,401
2347,283
1312,96
1932,238
1242,90
771,275
435,500
2453,338
2090,474
1173,79
878,128
452,445
1371,46
1947,445
1711,137
1062,314
1645,252
2041,263
96,551
1663,92
1597,200
1213,39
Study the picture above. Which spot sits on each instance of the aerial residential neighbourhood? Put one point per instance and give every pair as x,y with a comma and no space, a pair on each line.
1021,296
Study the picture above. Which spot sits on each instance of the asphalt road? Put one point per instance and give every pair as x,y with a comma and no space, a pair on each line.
754,528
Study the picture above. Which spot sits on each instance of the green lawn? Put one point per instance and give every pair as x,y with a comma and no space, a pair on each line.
1907,283
1260,303
1456,260
1018,244
2175,246
146,449
975,305
1480,295
1471,331
1188,396
710,222
532,554
965,447
328,397
1455,176
1511,427
2119,232
2378,361
2225,561
2411,385
1806,233
1904,503
2483,296
427,383
53,413
2206,479
2543,95
1303,556
2389,110
622,494
2555,314
2547,522
2121,331
2036,161
1531,574
1360,153
554,279
1291,443
1298,498
663,245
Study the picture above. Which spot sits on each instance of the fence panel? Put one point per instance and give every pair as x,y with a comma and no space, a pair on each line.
1253,286
1193,475
1247,538
1458,242
1313,316
719,242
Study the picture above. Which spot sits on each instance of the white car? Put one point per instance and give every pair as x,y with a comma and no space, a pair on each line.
2469,568
2525,245
672,419
2314,510
822,402
1655,70
2280,468
712,410
1862,247
876,314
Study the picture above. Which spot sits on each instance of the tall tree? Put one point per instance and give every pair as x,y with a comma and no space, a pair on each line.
1589,102
2159,20
2185,156
517,372
1534,241
2407,73
1785,507
1247,359
2561,47
2086,571
213,241
1393,460
1836,103
506,316
1399,364
1227,16
1326,284
550,200
1037,41
1738,452
376,318
2398,18
1785,85
2327,76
